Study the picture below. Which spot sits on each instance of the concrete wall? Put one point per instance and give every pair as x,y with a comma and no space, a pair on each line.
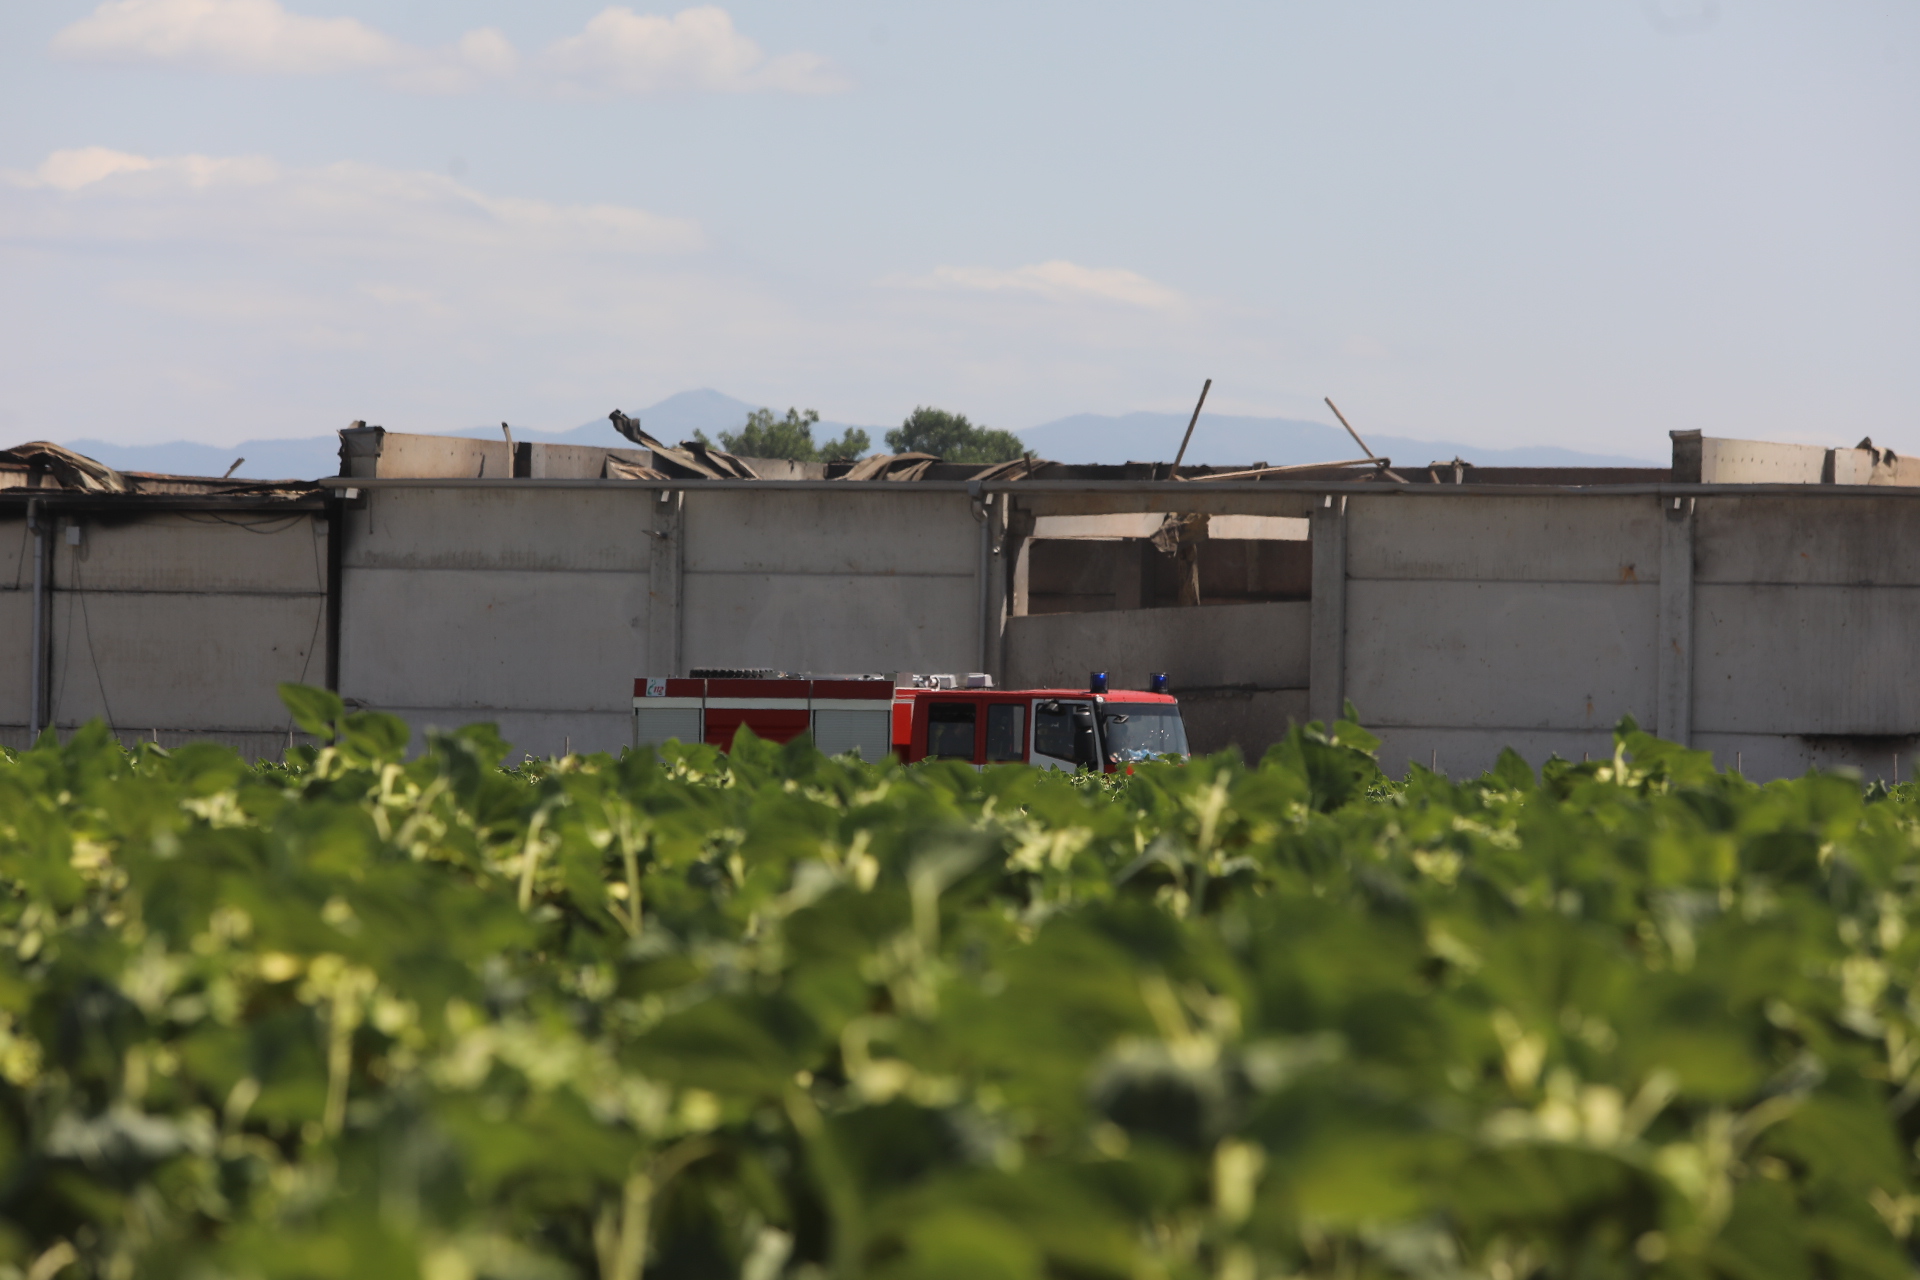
832,582
398,454
16,625
1472,623
1773,629
536,607
172,626
525,607
577,462
1699,459
1806,613
1760,462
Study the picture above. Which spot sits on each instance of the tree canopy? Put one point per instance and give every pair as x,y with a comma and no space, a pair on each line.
950,437
791,437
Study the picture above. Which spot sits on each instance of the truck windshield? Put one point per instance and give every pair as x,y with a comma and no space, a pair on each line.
1142,731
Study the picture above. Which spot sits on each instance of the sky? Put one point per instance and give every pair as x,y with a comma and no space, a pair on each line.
1581,224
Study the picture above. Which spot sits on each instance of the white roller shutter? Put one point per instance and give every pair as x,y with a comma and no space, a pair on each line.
653,725
837,732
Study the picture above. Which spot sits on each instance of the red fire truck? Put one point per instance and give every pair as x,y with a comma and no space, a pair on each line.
953,717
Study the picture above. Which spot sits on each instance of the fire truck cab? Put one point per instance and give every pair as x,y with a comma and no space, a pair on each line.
917,717
1093,728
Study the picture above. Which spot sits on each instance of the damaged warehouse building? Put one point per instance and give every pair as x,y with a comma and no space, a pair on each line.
1754,600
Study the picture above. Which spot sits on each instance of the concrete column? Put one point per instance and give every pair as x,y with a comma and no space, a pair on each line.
1673,716
1327,649
1015,554
664,581
999,588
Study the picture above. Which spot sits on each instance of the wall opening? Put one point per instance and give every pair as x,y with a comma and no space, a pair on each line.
1089,564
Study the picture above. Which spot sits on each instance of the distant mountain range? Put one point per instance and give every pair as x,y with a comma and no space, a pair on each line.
1086,437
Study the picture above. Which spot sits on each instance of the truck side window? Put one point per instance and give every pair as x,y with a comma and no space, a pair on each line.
950,729
1053,731
1006,731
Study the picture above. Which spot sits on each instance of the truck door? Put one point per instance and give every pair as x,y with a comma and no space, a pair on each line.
1007,731
1065,735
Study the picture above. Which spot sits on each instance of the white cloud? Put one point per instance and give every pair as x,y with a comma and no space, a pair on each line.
87,166
618,52
71,170
248,36
621,51
1057,281
103,195
241,296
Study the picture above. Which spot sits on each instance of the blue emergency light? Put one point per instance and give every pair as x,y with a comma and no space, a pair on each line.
1097,682
1158,682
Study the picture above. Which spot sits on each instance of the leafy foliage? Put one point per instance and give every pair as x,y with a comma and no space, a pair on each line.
951,438
765,436
773,1014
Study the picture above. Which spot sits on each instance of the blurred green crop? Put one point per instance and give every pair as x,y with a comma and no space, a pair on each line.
773,1014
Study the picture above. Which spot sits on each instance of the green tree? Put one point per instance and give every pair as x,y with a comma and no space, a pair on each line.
950,437
791,437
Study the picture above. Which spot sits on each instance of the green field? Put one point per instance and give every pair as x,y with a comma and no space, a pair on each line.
774,1014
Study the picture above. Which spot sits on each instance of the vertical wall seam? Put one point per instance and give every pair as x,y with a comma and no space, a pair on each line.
1327,645
1673,713
336,528
37,647
666,564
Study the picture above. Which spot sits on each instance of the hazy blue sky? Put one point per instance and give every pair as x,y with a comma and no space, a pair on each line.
1580,224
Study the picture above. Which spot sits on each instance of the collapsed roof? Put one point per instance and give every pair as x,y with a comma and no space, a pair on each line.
41,464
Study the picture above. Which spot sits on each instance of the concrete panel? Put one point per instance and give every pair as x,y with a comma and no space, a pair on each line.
1250,719
1137,524
472,639
192,551
1837,539
183,662
1072,575
1468,753
1855,466
405,456
769,531
1192,497
508,528
16,549
1212,646
1258,528
829,623
539,734
578,461
1501,655
1764,757
1132,524
1760,462
784,468
16,640
1536,539
265,744
1820,660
